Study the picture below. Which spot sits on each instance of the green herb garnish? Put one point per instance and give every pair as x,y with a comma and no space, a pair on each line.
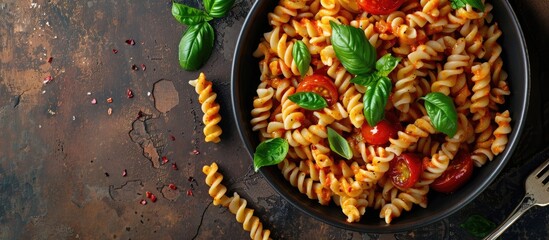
442,112
308,100
270,152
197,43
339,145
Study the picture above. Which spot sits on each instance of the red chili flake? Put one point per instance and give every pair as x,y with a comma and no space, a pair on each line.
134,67
129,93
109,100
139,114
174,166
195,152
164,160
190,192
143,202
153,198
130,42
48,79
94,101
114,51
172,137
148,194
50,59
172,186
143,67
124,173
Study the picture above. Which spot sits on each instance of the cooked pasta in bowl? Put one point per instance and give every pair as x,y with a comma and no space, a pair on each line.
380,117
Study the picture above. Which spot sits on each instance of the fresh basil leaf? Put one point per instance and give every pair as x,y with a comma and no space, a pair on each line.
456,4
189,15
478,226
442,112
270,152
352,49
196,46
218,8
386,64
339,145
308,100
365,80
302,57
375,99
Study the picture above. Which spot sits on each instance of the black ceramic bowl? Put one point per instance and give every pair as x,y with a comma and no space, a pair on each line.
245,78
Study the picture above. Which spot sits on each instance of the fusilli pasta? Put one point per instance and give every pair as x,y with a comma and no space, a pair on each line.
454,52
210,108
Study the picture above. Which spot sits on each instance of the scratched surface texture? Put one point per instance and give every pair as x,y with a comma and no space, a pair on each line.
63,158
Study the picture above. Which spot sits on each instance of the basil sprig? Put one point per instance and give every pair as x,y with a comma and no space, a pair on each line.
218,8
308,100
189,15
456,4
352,49
196,46
339,145
197,42
379,88
375,99
270,152
302,57
442,112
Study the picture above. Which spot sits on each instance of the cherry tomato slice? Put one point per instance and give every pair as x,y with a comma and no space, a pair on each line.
381,7
405,170
380,133
459,171
320,84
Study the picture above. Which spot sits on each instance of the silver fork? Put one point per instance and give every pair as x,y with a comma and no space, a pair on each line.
537,193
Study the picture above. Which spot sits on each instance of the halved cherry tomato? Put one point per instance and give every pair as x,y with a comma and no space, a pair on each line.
380,133
381,7
405,170
459,171
319,84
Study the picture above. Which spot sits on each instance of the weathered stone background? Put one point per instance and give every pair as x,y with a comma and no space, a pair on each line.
62,158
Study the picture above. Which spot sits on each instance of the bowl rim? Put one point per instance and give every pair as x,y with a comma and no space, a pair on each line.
388,228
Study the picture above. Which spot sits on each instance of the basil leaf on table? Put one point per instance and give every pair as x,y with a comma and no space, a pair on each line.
189,15
456,4
302,57
196,46
218,8
339,145
352,48
386,64
270,152
442,112
308,100
375,99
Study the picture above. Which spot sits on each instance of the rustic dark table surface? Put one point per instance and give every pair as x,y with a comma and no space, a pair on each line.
62,157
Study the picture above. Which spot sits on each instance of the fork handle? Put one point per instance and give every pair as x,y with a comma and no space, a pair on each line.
526,203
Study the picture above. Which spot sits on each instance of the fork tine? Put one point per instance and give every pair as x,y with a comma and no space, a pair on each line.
541,168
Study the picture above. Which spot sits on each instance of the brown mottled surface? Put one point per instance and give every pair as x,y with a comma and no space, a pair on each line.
62,158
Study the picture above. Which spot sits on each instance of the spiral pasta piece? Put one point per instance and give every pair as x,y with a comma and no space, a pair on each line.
305,185
217,189
420,128
235,204
210,108
262,107
244,215
501,132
